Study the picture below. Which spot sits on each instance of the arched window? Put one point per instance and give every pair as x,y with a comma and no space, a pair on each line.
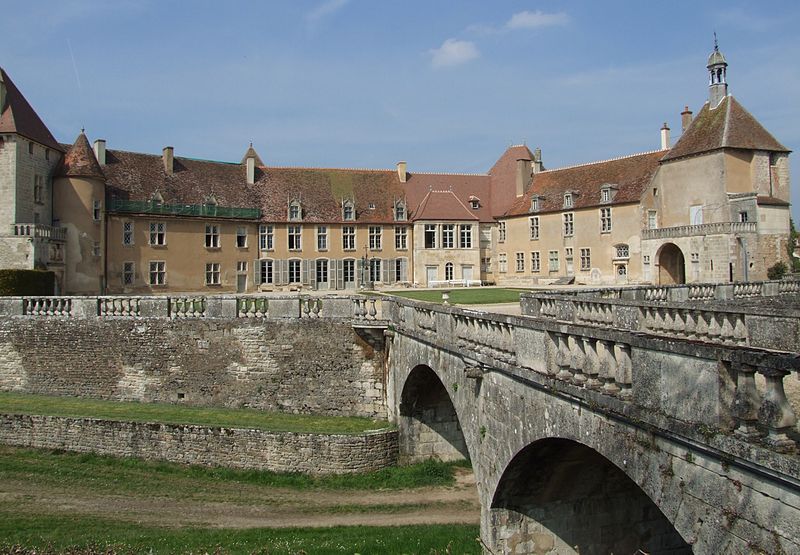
348,211
448,271
400,211
295,211
622,251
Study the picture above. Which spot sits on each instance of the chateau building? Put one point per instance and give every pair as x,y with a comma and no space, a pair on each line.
713,207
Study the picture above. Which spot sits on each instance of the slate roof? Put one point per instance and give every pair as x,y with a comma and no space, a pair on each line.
628,176
80,160
728,125
19,117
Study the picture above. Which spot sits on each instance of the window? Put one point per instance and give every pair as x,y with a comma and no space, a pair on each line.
569,226
465,236
127,233
38,189
430,236
646,259
375,237
400,211
212,236
158,233
448,271
485,235
586,260
266,237
502,262
212,273
536,262
294,211
501,232
374,269
294,271
96,205
399,269
267,276
30,148
652,223
534,204
553,261
349,238
695,256
605,195
241,237
371,206
127,273
349,270
696,215
400,238
605,220
486,265
158,273
474,203
348,211
520,262
534,228
295,236
322,271
622,251
448,231
743,216
568,200
322,238
241,267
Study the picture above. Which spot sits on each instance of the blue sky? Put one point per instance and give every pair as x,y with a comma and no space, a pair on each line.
364,83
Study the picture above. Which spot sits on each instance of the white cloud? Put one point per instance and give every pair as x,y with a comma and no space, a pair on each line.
453,52
537,19
325,9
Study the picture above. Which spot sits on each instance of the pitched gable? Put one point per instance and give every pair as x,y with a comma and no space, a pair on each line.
19,117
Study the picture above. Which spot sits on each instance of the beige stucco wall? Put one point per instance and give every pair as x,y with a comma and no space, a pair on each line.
739,175
438,257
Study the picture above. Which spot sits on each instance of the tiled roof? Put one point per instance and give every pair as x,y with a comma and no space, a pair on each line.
771,201
19,117
628,176
251,153
443,205
80,160
461,187
728,125
504,178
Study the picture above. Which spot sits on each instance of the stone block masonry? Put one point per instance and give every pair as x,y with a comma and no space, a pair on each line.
309,366
208,446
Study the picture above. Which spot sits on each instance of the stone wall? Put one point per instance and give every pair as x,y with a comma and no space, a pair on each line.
300,366
210,446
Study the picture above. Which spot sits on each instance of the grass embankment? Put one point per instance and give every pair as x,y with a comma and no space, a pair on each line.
18,403
467,295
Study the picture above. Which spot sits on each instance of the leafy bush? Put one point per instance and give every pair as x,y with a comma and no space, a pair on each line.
777,270
26,282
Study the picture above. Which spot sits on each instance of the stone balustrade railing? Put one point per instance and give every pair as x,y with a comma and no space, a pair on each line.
623,364
39,231
188,307
699,229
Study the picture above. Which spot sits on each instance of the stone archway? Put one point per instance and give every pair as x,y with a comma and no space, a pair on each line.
671,265
558,495
428,422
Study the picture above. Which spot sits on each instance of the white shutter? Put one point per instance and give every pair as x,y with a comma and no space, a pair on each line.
384,270
257,272
359,270
312,272
340,274
404,269
304,271
390,274
284,273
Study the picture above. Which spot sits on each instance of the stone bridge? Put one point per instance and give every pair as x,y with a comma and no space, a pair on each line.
610,422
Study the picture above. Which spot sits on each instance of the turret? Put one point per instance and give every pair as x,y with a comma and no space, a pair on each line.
717,78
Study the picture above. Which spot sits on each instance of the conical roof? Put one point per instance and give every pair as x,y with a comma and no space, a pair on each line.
80,160
19,117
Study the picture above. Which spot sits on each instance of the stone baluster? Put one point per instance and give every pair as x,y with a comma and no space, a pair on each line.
577,358
606,366
305,308
563,359
739,330
373,311
714,329
726,328
776,413
746,402
591,364
316,308
358,309
690,318
623,369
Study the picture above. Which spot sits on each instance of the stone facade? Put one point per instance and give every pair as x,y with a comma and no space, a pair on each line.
203,445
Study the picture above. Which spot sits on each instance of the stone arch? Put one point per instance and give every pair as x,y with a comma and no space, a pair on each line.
428,422
558,495
671,265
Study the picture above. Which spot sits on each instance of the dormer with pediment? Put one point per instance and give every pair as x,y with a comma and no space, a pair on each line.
348,210
400,211
294,210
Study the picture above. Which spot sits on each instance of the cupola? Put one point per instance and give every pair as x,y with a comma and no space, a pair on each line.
717,78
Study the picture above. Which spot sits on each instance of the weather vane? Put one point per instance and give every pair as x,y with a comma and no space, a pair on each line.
716,46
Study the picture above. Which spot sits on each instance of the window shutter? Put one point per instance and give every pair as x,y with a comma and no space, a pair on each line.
312,272
359,270
391,273
284,266
304,271
403,269
384,271
257,272
340,274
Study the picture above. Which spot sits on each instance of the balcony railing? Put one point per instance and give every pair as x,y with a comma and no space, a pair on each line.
205,210
701,229
39,231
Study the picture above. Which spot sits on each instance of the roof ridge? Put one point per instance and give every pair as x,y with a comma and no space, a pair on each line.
727,121
606,160
451,173
329,168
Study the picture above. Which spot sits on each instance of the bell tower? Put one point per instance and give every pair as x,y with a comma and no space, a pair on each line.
717,82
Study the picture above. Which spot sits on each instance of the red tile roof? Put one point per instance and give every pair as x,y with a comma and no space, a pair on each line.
443,205
80,160
728,125
462,187
771,201
504,178
19,117
628,176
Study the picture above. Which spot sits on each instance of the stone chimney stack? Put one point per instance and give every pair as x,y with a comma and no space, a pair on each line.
665,137
537,160
523,176
686,119
100,151
251,169
168,157
402,173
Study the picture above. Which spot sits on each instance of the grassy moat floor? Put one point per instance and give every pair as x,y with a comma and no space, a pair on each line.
19,403
464,295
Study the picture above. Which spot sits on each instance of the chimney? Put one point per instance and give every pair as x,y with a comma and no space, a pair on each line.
251,169
523,176
401,172
100,151
686,119
537,160
665,137
168,156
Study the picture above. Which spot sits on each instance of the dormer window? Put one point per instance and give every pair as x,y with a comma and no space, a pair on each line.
295,212
399,211
474,202
157,199
534,204
348,211
211,205
605,194
568,203
371,206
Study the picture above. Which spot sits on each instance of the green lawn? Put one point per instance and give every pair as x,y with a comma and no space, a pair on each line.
467,295
179,414
85,535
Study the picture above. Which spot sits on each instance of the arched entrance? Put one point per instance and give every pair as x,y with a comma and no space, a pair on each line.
560,496
428,423
671,265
